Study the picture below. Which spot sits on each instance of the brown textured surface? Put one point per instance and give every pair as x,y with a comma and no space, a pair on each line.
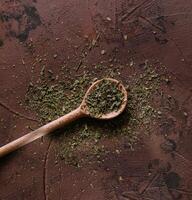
160,30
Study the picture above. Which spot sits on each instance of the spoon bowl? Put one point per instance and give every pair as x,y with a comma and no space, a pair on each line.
109,115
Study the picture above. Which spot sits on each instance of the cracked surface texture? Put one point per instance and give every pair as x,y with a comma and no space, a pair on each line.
44,40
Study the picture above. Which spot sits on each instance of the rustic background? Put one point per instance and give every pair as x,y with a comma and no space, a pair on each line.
57,33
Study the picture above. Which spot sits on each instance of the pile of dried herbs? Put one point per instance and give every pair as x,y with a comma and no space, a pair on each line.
84,140
105,98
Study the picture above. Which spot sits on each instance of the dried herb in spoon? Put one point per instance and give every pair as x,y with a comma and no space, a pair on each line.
105,98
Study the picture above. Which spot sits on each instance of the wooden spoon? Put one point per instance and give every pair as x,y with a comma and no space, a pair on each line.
81,111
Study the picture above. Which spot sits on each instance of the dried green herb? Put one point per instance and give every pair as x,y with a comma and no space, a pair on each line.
53,101
105,98
82,142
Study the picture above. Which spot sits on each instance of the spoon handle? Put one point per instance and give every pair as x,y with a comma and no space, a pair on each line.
42,131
